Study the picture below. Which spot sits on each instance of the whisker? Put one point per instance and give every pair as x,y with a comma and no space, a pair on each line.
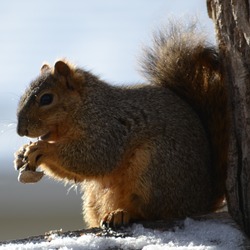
74,187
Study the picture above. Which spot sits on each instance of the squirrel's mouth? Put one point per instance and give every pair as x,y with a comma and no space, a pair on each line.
45,136
52,134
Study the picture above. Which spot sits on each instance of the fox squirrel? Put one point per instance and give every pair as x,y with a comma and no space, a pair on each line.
142,152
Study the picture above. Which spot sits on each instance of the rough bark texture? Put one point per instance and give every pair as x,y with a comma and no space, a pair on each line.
232,23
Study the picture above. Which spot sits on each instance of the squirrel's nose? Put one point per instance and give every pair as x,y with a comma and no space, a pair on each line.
22,129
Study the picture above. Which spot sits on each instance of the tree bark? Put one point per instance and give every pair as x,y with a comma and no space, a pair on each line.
232,25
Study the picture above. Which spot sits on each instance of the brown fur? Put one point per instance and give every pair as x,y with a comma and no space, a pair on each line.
142,152
120,189
200,83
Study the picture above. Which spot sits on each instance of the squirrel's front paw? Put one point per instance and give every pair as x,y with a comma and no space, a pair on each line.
115,219
26,161
28,156
33,154
21,160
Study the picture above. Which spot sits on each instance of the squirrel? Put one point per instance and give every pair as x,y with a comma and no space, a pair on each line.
142,152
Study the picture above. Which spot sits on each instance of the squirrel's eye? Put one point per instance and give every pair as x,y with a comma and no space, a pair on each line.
46,99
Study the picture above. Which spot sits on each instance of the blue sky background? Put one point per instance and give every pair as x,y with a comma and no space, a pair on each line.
103,36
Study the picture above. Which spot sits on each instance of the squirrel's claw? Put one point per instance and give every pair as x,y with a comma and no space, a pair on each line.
115,219
20,158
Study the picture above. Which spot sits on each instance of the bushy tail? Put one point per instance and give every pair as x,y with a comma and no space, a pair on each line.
182,61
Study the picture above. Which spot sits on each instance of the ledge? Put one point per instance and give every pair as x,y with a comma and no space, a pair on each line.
212,230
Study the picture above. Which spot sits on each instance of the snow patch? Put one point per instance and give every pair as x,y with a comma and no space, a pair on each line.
195,235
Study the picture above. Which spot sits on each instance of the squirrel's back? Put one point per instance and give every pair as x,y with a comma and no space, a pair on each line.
182,60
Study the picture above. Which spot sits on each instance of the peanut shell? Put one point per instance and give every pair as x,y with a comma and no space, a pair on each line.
28,176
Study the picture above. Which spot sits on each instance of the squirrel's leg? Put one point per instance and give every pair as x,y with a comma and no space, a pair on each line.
43,154
120,197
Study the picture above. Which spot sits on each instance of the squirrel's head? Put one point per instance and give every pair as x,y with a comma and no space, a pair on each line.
46,108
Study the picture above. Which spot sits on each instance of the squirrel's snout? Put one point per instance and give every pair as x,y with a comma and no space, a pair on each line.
22,130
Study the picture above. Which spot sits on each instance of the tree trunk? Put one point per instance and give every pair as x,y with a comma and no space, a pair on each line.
232,23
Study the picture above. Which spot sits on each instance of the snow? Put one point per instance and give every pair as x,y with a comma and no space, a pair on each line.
195,235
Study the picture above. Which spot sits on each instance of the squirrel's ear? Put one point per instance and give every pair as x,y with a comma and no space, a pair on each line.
45,67
62,68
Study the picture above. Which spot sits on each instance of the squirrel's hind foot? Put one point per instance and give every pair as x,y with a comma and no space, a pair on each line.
115,219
